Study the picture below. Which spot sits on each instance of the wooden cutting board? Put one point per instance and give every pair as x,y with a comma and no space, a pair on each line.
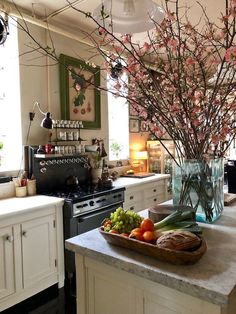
139,175
229,198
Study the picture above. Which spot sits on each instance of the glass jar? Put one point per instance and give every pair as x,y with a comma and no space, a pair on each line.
199,184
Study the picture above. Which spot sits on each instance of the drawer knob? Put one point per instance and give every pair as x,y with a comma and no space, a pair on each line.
9,238
131,197
131,208
24,233
155,200
154,190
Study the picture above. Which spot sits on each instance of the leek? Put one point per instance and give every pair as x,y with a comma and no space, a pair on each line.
174,217
178,220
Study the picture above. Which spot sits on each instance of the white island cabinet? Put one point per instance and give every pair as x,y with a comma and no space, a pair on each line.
31,247
116,280
142,193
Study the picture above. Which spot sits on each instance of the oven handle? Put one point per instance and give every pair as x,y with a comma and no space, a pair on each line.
99,211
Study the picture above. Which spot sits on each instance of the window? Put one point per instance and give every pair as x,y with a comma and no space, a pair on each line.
118,121
10,115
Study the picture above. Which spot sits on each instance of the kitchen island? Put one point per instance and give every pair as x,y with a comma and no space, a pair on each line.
115,280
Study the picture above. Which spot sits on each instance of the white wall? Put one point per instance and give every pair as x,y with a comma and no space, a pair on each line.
40,82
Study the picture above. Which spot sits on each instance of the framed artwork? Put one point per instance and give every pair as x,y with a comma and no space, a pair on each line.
80,99
132,111
144,126
134,125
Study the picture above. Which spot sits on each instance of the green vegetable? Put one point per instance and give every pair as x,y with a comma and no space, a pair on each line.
174,217
178,220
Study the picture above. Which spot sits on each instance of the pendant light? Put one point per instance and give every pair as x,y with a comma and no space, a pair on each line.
129,16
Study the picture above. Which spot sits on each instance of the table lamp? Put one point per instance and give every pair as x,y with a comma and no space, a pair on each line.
139,158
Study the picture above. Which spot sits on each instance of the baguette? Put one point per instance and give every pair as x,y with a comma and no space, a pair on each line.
178,240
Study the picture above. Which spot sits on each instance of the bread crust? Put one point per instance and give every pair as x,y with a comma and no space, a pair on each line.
178,240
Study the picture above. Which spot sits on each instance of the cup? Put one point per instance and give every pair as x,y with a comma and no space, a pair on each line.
31,187
21,191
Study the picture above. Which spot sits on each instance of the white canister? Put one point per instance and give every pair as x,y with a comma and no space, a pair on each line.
31,187
21,191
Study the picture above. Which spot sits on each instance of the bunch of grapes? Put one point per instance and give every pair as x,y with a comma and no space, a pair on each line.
123,221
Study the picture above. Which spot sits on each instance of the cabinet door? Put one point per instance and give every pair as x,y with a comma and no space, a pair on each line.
38,249
106,294
7,283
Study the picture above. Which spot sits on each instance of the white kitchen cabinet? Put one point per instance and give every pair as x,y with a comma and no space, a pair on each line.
31,252
146,194
105,289
38,261
7,282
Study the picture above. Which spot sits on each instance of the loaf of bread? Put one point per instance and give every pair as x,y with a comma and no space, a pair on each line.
178,240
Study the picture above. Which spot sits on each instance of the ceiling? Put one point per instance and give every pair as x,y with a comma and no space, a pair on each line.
59,13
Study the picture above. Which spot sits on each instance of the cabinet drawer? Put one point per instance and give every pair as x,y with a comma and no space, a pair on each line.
157,189
153,200
136,207
133,196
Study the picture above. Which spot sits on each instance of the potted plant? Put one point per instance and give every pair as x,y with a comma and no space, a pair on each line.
116,149
96,166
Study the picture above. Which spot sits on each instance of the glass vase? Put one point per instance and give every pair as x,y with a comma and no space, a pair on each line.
199,184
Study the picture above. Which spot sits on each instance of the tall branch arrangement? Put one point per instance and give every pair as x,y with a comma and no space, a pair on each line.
188,92
181,81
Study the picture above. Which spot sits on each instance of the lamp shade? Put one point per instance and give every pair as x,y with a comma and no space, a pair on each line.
129,16
141,155
47,121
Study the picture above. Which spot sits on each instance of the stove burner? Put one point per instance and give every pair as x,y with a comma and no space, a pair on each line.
79,193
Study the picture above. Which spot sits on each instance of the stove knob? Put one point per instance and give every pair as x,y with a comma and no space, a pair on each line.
91,203
42,163
43,170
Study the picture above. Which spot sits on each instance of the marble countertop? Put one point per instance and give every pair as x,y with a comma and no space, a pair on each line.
132,182
16,205
213,278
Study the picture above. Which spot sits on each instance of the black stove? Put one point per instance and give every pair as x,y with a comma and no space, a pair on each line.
79,193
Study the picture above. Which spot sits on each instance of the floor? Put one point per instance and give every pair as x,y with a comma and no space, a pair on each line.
50,301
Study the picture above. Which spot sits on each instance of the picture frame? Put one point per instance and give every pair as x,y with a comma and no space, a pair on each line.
143,126
134,125
132,111
80,99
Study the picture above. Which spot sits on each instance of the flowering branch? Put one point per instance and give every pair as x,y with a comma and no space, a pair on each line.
181,81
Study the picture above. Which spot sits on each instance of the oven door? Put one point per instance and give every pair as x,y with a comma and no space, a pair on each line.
80,224
94,220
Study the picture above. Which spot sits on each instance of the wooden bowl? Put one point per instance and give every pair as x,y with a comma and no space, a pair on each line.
165,255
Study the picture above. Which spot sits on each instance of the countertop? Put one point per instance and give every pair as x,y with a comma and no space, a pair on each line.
132,182
17,205
213,278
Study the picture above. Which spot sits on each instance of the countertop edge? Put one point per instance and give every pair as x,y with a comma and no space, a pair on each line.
145,272
17,206
132,182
